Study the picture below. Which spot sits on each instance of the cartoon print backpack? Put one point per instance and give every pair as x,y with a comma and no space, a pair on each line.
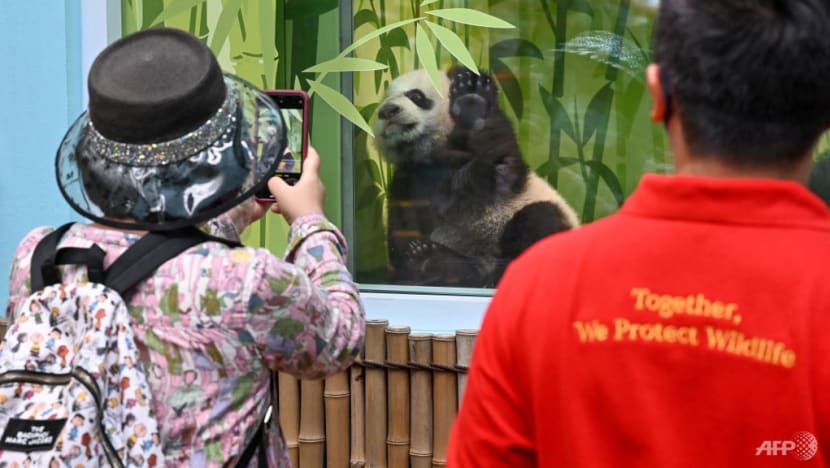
72,388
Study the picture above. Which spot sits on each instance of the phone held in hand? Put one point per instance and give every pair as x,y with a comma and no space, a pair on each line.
293,105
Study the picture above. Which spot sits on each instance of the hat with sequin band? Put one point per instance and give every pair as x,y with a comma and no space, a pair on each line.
168,140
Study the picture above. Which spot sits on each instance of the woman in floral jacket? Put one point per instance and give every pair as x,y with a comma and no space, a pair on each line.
169,141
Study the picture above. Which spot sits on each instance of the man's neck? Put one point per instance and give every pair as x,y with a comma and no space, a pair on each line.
711,165
714,167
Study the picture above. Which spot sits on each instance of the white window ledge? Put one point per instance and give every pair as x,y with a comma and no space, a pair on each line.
426,313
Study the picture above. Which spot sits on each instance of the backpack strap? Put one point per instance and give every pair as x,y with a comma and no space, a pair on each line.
44,269
150,252
258,442
138,262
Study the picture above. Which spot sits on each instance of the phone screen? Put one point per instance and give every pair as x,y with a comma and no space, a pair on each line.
294,108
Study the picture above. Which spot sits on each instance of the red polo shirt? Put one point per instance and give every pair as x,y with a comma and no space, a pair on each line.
690,329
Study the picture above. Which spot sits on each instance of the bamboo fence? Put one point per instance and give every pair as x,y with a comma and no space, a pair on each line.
393,408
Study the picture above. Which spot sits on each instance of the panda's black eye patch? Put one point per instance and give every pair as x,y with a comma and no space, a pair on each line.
419,99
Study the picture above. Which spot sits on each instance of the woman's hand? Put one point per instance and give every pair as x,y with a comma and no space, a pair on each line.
304,197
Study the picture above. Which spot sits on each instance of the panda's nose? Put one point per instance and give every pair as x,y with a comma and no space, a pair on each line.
387,111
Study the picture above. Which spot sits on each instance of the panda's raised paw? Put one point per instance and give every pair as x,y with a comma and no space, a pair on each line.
472,97
419,248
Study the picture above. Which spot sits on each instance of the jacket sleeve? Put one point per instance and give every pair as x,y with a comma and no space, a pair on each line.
20,283
316,324
493,427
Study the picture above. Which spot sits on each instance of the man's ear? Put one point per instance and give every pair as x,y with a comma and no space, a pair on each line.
658,96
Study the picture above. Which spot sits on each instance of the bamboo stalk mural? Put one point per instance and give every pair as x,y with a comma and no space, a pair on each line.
570,70
573,66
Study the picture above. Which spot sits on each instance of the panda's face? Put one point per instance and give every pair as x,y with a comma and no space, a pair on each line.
412,118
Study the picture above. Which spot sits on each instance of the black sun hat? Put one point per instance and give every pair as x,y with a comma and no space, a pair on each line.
168,140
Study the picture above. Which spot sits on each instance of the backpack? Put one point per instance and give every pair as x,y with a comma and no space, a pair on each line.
72,388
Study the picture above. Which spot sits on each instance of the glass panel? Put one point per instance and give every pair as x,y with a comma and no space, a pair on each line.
268,43
570,80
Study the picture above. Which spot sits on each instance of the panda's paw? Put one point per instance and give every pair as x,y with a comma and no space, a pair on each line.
419,249
472,97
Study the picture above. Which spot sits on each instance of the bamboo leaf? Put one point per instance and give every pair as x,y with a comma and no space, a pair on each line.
515,48
371,167
386,56
556,111
368,111
426,54
428,2
223,24
597,111
174,8
369,195
139,15
396,38
345,64
509,85
376,33
610,50
610,179
546,168
340,104
128,18
267,15
454,45
471,17
365,16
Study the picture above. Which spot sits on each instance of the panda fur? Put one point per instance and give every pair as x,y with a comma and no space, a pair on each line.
412,121
485,206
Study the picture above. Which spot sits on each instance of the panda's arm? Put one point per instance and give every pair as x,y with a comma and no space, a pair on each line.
495,166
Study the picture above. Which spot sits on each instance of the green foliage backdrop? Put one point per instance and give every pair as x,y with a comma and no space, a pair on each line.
571,75
269,43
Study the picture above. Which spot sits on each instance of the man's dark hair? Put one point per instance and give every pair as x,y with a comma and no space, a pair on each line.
751,78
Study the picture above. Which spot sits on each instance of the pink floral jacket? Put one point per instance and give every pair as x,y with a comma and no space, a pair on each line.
211,321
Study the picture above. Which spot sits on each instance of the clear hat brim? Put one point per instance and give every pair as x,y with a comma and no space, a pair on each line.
179,183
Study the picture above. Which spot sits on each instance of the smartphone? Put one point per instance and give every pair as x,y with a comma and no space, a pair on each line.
294,107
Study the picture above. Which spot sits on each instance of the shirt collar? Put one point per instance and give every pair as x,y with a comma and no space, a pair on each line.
730,201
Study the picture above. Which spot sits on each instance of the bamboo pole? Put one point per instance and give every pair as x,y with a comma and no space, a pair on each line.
464,341
420,352
337,420
444,392
357,457
397,356
375,393
312,425
289,405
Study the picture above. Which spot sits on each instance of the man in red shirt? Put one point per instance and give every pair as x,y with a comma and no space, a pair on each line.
691,328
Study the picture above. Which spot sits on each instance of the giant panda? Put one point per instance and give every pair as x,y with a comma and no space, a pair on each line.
412,120
462,202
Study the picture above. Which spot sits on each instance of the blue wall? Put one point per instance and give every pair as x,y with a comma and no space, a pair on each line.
40,92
